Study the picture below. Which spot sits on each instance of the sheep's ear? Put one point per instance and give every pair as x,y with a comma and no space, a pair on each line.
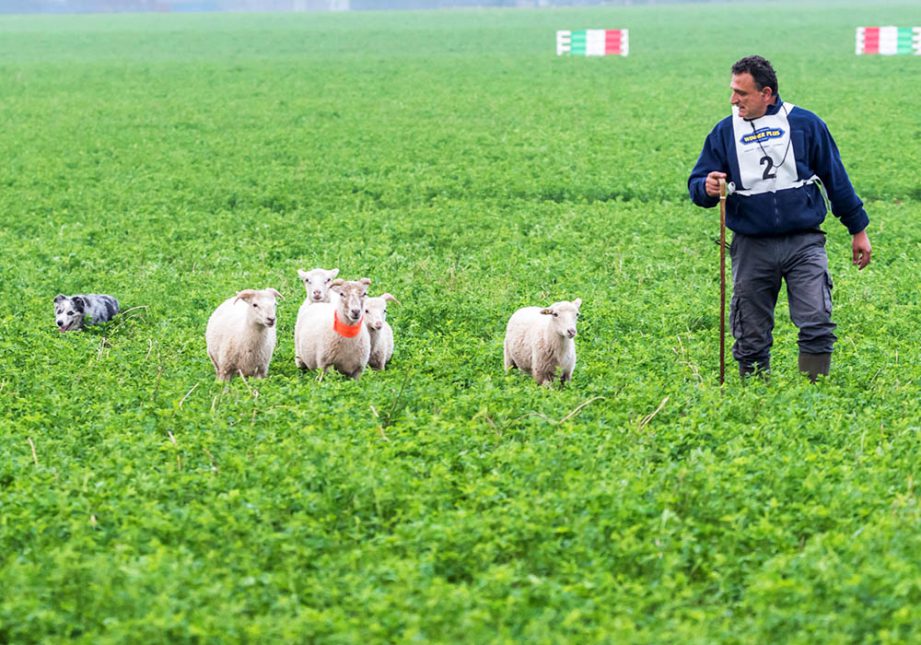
302,274
333,273
246,294
79,303
58,298
275,293
338,282
546,311
577,302
389,296
365,283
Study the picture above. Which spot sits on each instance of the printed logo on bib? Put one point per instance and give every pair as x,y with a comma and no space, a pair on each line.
762,135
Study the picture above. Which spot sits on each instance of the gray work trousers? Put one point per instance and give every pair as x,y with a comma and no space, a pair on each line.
758,266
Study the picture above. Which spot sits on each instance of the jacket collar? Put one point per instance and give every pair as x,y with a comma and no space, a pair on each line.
774,109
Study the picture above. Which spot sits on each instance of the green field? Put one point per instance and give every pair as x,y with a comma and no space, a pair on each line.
453,158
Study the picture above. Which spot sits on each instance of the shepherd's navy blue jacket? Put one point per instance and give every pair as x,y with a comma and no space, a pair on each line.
789,210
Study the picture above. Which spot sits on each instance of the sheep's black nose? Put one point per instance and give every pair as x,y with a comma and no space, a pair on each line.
356,313
378,325
270,321
571,332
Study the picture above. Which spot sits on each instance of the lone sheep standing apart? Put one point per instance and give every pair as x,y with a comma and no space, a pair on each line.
241,334
537,341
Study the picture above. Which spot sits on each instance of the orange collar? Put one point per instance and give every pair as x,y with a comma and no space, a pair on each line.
346,331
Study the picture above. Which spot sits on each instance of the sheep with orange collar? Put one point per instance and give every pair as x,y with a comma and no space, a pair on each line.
333,334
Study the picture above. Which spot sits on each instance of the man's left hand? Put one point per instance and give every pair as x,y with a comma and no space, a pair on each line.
860,245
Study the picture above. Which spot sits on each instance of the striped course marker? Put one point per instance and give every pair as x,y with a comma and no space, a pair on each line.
593,42
889,40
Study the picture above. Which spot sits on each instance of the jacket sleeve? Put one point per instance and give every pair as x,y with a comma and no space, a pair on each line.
826,162
712,157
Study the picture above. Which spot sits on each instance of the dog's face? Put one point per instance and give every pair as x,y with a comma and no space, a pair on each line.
69,312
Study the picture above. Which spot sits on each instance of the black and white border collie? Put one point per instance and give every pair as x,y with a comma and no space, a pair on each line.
73,312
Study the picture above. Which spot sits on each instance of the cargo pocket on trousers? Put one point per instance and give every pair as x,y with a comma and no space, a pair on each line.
826,293
735,317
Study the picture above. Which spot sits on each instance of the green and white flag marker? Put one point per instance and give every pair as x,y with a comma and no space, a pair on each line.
889,41
593,42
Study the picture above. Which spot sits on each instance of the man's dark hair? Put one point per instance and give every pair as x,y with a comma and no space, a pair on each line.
760,69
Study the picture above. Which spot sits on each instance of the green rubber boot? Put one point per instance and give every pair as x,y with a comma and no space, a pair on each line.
814,364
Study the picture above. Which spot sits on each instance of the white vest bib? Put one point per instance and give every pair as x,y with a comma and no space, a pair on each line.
770,166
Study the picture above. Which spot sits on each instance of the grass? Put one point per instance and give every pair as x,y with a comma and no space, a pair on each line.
455,160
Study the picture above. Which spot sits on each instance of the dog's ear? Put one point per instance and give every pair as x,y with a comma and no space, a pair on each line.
58,298
79,303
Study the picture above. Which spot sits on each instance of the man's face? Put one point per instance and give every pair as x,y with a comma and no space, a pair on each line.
751,102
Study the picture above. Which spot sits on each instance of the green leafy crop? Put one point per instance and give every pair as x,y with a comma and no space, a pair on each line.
452,157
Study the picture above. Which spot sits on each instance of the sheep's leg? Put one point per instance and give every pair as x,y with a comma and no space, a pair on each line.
546,375
506,359
299,363
357,373
321,375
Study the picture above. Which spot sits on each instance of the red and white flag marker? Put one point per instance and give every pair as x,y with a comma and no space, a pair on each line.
889,41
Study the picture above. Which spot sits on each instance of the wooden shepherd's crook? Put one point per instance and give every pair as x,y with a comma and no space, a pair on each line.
722,281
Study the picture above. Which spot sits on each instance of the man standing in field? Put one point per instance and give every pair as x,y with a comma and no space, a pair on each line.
775,157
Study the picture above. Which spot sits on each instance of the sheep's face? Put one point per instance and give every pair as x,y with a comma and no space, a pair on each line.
261,305
69,312
376,311
563,317
351,301
317,283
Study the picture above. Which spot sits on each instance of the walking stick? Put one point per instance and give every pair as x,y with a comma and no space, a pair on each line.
722,281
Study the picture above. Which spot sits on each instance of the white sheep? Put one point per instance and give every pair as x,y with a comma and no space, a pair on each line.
380,330
241,334
537,341
316,282
333,334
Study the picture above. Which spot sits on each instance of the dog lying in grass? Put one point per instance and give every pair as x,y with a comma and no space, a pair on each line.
73,312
